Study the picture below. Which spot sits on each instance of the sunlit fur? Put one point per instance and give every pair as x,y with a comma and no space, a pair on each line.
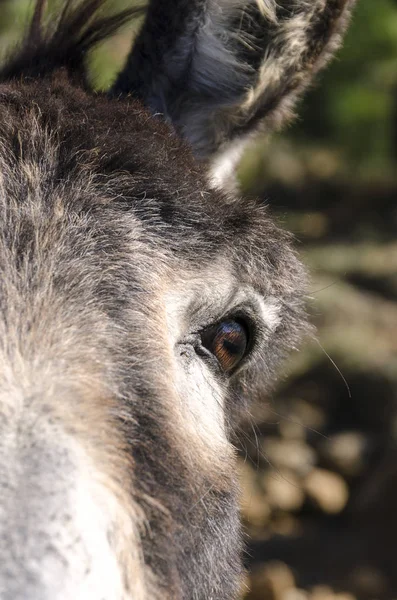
117,466
238,68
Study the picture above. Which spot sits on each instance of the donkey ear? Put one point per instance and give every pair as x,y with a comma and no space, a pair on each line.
220,70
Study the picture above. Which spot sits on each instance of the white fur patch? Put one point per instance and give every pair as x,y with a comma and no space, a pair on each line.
64,533
222,174
201,393
94,569
270,311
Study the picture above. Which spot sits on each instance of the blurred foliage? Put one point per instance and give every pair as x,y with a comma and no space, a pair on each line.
352,111
319,457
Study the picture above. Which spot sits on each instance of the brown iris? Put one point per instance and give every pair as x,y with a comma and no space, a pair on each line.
228,342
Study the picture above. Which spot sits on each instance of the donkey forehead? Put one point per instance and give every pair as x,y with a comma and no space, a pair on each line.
108,167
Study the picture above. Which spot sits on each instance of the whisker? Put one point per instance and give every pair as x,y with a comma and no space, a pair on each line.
324,288
337,368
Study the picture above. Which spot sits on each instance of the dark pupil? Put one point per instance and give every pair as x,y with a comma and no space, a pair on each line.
229,344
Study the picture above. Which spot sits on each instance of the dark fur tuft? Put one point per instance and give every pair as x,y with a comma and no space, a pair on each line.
76,32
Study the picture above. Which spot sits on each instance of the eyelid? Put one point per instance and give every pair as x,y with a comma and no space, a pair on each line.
244,313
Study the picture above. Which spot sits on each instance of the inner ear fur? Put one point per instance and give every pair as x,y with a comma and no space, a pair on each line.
221,70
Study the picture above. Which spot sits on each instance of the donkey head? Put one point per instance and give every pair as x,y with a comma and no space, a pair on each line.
142,308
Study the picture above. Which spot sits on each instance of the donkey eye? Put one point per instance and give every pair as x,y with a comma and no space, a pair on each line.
228,342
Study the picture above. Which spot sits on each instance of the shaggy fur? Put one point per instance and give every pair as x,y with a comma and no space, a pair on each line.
117,476
224,67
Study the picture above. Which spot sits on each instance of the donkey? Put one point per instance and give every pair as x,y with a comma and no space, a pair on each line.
143,304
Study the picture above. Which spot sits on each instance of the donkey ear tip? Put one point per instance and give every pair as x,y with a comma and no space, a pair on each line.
268,8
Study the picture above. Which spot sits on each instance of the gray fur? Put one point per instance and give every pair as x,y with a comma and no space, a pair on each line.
117,466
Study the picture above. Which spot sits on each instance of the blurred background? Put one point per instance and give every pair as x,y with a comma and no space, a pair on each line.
319,458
